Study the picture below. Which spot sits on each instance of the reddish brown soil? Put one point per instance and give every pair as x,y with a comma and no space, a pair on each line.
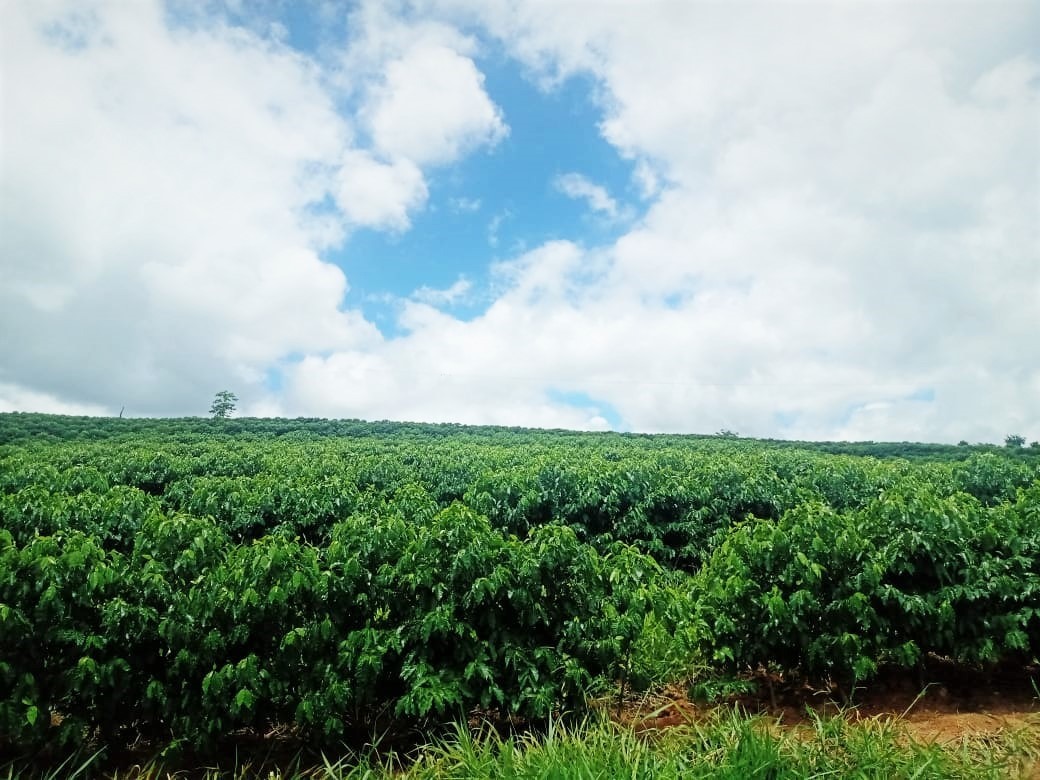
958,705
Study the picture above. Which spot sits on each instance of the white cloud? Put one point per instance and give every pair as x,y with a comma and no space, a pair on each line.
847,244
842,243
405,384
495,225
379,195
576,186
431,107
646,179
165,191
160,207
453,294
19,399
421,96
464,205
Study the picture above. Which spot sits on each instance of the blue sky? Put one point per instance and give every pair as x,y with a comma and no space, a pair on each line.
810,221
498,202
490,205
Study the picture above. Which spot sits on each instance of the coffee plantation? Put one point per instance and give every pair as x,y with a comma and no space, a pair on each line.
183,580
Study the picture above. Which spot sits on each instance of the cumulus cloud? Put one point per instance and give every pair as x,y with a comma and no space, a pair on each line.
153,186
167,193
646,179
401,384
377,194
431,107
829,233
840,238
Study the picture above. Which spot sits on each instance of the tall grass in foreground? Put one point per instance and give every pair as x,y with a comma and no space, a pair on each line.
726,745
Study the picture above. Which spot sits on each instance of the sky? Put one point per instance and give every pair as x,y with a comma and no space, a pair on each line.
799,220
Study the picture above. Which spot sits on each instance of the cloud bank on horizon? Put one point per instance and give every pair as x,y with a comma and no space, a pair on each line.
812,221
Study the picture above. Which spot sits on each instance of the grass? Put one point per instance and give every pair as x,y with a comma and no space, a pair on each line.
724,745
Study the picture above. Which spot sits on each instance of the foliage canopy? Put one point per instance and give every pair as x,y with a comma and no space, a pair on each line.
178,578
223,404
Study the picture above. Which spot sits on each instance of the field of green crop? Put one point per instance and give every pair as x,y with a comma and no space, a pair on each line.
181,582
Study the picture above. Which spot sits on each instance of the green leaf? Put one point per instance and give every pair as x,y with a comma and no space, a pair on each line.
244,699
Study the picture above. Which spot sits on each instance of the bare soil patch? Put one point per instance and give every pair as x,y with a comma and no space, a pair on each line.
951,705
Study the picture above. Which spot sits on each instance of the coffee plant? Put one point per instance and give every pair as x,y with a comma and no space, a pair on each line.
182,582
